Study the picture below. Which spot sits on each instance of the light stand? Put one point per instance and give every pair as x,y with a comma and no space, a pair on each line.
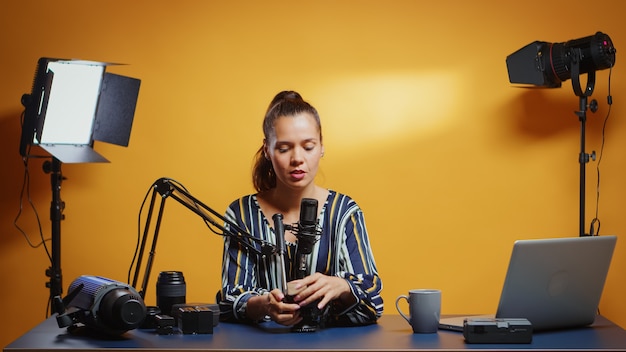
583,157
56,215
547,65
73,103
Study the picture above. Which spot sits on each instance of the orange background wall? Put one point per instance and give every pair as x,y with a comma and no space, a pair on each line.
450,162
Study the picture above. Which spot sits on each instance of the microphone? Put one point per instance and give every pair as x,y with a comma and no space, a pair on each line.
103,304
281,251
307,235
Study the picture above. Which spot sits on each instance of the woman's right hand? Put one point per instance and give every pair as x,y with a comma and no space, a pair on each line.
272,305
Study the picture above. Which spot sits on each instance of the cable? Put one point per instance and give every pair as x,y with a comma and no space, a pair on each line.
25,191
594,231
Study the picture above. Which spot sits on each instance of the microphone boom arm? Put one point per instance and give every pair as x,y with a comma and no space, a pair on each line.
166,188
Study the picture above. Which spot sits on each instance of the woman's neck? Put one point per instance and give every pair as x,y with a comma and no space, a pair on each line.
287,199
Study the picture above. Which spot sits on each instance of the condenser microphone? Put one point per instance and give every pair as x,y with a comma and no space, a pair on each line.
307,234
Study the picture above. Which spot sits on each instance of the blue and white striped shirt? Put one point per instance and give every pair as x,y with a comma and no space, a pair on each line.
343,250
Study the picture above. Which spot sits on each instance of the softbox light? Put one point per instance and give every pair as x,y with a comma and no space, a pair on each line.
74,103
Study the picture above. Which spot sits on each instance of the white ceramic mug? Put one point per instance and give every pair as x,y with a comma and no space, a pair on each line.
424,309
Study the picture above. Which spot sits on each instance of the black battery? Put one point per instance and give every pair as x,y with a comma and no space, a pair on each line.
194,319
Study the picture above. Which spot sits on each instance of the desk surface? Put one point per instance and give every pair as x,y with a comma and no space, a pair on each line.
392,333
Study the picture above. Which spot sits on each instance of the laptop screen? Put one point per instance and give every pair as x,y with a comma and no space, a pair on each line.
558,282
555,283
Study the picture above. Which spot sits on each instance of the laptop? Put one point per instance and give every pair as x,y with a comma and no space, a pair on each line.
555,283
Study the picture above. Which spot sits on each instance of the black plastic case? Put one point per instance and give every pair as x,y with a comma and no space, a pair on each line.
485,330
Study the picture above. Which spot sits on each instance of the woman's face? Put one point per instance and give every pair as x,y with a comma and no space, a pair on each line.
295,150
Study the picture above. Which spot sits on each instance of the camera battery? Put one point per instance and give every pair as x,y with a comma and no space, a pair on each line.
165,324
213,307
194,319
487,330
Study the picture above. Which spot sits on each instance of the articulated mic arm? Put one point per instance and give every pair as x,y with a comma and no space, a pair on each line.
168,188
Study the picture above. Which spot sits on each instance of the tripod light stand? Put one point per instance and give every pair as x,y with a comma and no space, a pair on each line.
72,104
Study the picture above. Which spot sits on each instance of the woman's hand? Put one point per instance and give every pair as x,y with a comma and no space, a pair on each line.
273,306
323,287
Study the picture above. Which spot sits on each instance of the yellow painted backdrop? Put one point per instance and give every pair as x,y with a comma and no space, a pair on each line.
450,163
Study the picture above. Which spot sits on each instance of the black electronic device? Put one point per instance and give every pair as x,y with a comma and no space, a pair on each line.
308,232
493,330
101,304
546,64
165,324
213,307
195,319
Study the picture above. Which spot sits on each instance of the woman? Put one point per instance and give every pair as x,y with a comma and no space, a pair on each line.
343,280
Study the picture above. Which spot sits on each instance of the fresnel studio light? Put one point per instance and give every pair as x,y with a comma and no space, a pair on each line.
545,64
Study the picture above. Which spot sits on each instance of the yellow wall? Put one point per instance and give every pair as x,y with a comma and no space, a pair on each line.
450,163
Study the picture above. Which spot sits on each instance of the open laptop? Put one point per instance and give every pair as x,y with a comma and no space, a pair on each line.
554,283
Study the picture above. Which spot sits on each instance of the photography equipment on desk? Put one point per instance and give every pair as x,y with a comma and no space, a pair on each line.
307,231
485,330
168,188
101,304
196,318
546,65
73,103
171,289
173,315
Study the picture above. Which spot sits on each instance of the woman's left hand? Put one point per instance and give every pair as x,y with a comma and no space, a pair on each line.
323,287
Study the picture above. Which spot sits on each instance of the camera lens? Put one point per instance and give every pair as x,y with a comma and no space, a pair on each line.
171,289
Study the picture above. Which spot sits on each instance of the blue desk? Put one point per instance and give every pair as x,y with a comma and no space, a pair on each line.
392,333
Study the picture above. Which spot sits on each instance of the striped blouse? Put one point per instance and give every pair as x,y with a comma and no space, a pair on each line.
343,250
